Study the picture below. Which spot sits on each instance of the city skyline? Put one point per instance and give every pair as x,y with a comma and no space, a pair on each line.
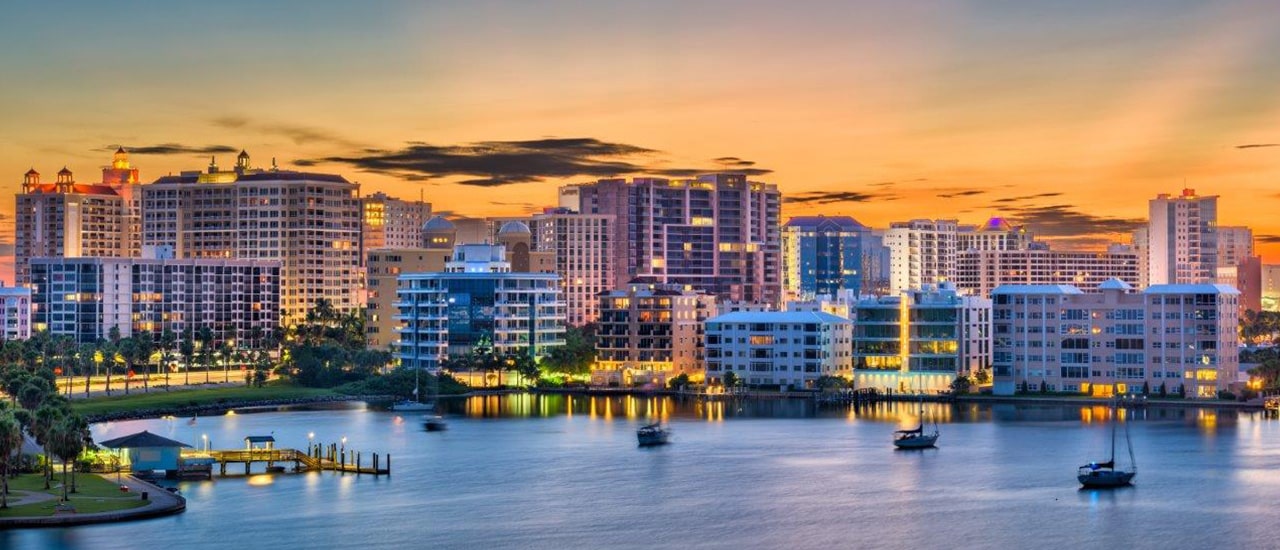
883,112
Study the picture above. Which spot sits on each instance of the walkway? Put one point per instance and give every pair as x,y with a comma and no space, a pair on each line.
159,503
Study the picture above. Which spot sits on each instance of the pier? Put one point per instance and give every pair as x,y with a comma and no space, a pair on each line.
318,458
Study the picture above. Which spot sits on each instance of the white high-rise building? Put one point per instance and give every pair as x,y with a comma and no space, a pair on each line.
978,272
308,222
583,246
1182,239
921,252
995,234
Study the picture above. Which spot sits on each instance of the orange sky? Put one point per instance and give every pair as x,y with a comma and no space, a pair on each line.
1067,117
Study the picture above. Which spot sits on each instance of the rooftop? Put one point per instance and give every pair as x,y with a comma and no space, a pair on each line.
778,317
1036,289
139,440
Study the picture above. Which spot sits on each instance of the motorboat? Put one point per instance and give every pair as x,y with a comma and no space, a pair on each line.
653,434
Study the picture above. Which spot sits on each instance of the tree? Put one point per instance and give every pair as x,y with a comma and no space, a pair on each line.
204,335
167,341
961,385
10,442
187,348
144,346
1024,387
678,382
983,376
85,357
43,421
66,441
34,392
730,380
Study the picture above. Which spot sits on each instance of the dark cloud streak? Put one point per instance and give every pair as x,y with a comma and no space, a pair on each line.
174,149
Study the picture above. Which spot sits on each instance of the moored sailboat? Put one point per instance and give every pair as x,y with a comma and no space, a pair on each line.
1105,475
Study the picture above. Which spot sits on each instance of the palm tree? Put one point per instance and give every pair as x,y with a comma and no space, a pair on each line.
187,348
167,340
226,351
66,441
126,350
10,441
65,347
85,358
144,346
205,336
42,424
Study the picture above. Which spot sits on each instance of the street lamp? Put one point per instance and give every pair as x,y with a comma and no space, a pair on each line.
343,451
310,437
205,438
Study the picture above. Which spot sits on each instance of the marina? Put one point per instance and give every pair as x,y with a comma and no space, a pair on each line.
779,472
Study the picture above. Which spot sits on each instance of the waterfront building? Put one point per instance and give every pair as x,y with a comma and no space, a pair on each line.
582,246
945,334
1165,339
309,222
85,298
1182,239
921,252
650,334
517,238
826,255
978,272
383,268
16,304
389,222
477,301
718,232
784,349
66,219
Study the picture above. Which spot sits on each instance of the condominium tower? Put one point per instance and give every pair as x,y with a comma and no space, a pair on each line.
1182,239
309,222
582,246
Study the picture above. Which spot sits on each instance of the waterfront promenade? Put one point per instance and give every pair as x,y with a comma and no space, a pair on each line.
159,502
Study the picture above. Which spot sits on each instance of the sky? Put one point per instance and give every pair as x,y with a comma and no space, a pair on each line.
1067,116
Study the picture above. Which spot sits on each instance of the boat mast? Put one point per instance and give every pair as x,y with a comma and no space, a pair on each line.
1115,414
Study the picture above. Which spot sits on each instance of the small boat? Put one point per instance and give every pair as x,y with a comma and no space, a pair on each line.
409,405
1105,475
435,424
653,434
275,469
917,438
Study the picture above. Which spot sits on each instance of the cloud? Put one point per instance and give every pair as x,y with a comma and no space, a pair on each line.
830,197
1060,220
961,193
300,135
174,149
1257,145
498,163
1267,239
1007,200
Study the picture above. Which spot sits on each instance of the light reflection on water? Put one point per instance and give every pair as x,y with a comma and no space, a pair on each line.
556,471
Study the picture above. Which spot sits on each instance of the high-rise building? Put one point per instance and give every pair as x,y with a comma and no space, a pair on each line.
1235,245
1271,287
15,304
477,301
995,234
920,340
393,223
66,219
719,233
309,222
1167,339
1182,239
1246,277
921,252
826,255
784,349
978,272
582,246
237,299
1142,248
650,334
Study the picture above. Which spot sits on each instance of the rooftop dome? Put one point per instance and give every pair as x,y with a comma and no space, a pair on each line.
514,227
438,223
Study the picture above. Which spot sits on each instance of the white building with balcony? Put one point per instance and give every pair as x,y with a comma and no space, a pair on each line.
786,349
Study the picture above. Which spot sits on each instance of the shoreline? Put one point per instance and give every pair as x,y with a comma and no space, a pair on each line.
161,503
221,408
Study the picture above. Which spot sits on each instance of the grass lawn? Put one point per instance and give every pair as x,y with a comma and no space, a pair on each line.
189,398
94,494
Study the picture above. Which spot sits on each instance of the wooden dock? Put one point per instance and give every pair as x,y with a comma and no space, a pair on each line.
320,458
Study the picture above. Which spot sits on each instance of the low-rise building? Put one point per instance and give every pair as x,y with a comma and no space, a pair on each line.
785,349
1167,339
649,334
944,335
979,272
16,303
85,298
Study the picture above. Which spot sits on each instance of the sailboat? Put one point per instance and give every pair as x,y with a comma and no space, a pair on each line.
413,404
917,438
1098,475
433,422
